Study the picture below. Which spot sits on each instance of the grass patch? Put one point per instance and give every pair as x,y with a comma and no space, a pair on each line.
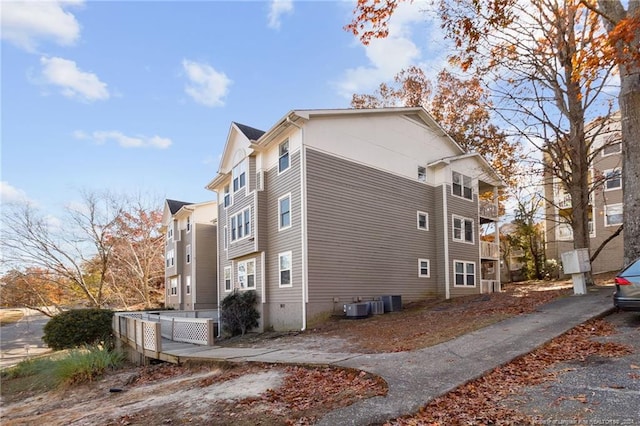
10,316
57,370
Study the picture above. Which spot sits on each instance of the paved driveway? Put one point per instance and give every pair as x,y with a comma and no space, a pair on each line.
22,339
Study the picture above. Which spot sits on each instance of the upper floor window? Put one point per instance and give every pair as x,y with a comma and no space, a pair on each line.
462,186
241,224
612,145
188,253
188,223
247,274
284,212
424,269
227,196
422,174
462,229
423,220
187,284
465,273
239,174
612,179
613,215
171,258
170,233
284,266
174,285
283,156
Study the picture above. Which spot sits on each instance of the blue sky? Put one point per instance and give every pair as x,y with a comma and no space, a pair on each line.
139,96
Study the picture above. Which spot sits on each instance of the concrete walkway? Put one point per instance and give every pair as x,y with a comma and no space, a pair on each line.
414,378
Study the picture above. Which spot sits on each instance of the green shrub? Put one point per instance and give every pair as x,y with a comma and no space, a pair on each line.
81,327
84,365
238,313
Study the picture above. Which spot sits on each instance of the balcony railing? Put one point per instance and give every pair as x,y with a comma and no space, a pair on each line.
563,201
489,209
489,250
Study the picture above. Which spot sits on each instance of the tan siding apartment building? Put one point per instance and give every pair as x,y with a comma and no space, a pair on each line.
329,207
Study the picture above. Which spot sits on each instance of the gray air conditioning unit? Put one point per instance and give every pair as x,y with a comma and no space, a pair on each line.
376,307
356,310
392,303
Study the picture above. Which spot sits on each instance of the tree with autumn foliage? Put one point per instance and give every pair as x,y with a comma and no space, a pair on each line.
461,107
549,61
34,288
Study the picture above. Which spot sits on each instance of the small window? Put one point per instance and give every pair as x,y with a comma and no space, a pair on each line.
188,253
424,269
227,196
283,156
284,267
462,186
187,284
174,286
239,174
247,274
613,215
462,229
241,224
284,212
227,278
422,174
465,273
612,179
170,233
188,223
171,258
423,220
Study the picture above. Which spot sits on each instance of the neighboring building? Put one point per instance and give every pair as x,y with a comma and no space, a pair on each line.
190,255
605,209
329,207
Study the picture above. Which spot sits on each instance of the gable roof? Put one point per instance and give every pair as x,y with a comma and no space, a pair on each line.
251,133
175,205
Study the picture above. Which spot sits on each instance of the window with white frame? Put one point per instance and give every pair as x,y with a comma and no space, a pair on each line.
462,186
188,253
462,229
612,145
247,274
284,268
424,268
171,258
283,156
187,284
170,232
612,179
227,278
613,215
241,224
423,220
284,212
174,285
225,236
465,273
422,174
188,223
227,196
239,174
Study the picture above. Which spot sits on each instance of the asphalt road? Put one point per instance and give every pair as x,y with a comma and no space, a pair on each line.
596,391
22,339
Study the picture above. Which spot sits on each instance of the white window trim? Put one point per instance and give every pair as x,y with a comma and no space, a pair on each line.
280,227
475,274
170,261
286,253
224,281
241,213
604,173
230,193
241,165
426,221
606,216
171,281
189,224
187,256
280,156
246,268
462,233
608,144
462,186
187,284
420,274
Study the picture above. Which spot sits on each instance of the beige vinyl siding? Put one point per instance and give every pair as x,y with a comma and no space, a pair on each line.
283,306
363,239
463,251
242,247
186,269
438,229
205,256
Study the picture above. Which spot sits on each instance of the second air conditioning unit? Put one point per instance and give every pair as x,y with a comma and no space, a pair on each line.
356,310
376,307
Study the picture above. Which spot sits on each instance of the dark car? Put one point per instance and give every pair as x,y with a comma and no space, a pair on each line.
627,295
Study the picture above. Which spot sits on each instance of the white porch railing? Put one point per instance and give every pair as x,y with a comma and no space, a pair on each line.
490,286
488,209
489,250
141,334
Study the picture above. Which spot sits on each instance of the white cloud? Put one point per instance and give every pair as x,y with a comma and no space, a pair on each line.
276,10
102,137
11,194
73,82
25,23
387,56
207,86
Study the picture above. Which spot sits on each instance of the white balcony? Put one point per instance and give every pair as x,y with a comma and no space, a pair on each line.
489,209
489,250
